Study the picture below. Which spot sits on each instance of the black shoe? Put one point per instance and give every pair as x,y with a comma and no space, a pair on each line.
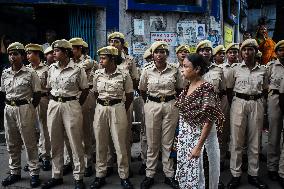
11,179
88,171
26,168
273,175
221,185
79,184
172,182
126,184
52,182
98,183
234,183
34,182
147,183
142,170
109,171
255,181
67,168
281,182
46,165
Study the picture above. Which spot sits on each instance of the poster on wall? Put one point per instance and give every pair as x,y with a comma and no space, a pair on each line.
169,37
157,23
201,35
187,32
138,48
228,35
138,27
214,33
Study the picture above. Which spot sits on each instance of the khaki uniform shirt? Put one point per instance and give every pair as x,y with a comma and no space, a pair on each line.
227,76
275,71
42,71
68,81
215,76
89,65
162,83
129,64
250,82
21,84
112,86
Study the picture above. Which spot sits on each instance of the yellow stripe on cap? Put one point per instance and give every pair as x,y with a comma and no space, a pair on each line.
116,35
279,44
15,46
250,43
218,49
77,41
232,46
159,45
63,43
33,47
204,44
108,50
183,47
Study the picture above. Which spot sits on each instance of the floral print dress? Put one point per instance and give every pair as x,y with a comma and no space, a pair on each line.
198,108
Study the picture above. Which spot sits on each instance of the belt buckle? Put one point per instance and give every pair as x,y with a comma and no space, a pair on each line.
106,103
251,97
13,103
162,98
60,99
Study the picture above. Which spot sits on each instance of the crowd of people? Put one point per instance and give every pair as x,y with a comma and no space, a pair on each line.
65,107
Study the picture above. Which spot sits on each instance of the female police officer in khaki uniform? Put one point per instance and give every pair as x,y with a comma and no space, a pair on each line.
66,81
110,120
161,81
19,85
250,85
34,55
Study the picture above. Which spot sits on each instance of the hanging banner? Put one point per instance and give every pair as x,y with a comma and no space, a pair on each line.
228,35
139,48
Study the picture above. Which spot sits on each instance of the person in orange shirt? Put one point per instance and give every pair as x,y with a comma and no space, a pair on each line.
266,44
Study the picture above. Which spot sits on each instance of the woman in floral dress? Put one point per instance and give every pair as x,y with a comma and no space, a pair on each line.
199,109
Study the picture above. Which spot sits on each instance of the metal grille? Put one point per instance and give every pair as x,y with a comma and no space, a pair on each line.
82,24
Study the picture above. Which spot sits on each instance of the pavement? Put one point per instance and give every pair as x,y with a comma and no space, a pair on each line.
113,182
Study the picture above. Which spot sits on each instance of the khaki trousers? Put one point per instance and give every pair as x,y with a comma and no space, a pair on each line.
246,116
225,138
161,121
66,117
88,110
111,121
44,140
19,123
274,136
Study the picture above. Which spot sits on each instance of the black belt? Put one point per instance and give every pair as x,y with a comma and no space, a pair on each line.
90,86
162,98
44,94
248,97
108,102
17,102
63,99
275,91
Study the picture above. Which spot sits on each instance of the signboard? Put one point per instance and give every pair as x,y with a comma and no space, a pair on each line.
228,35
169,37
